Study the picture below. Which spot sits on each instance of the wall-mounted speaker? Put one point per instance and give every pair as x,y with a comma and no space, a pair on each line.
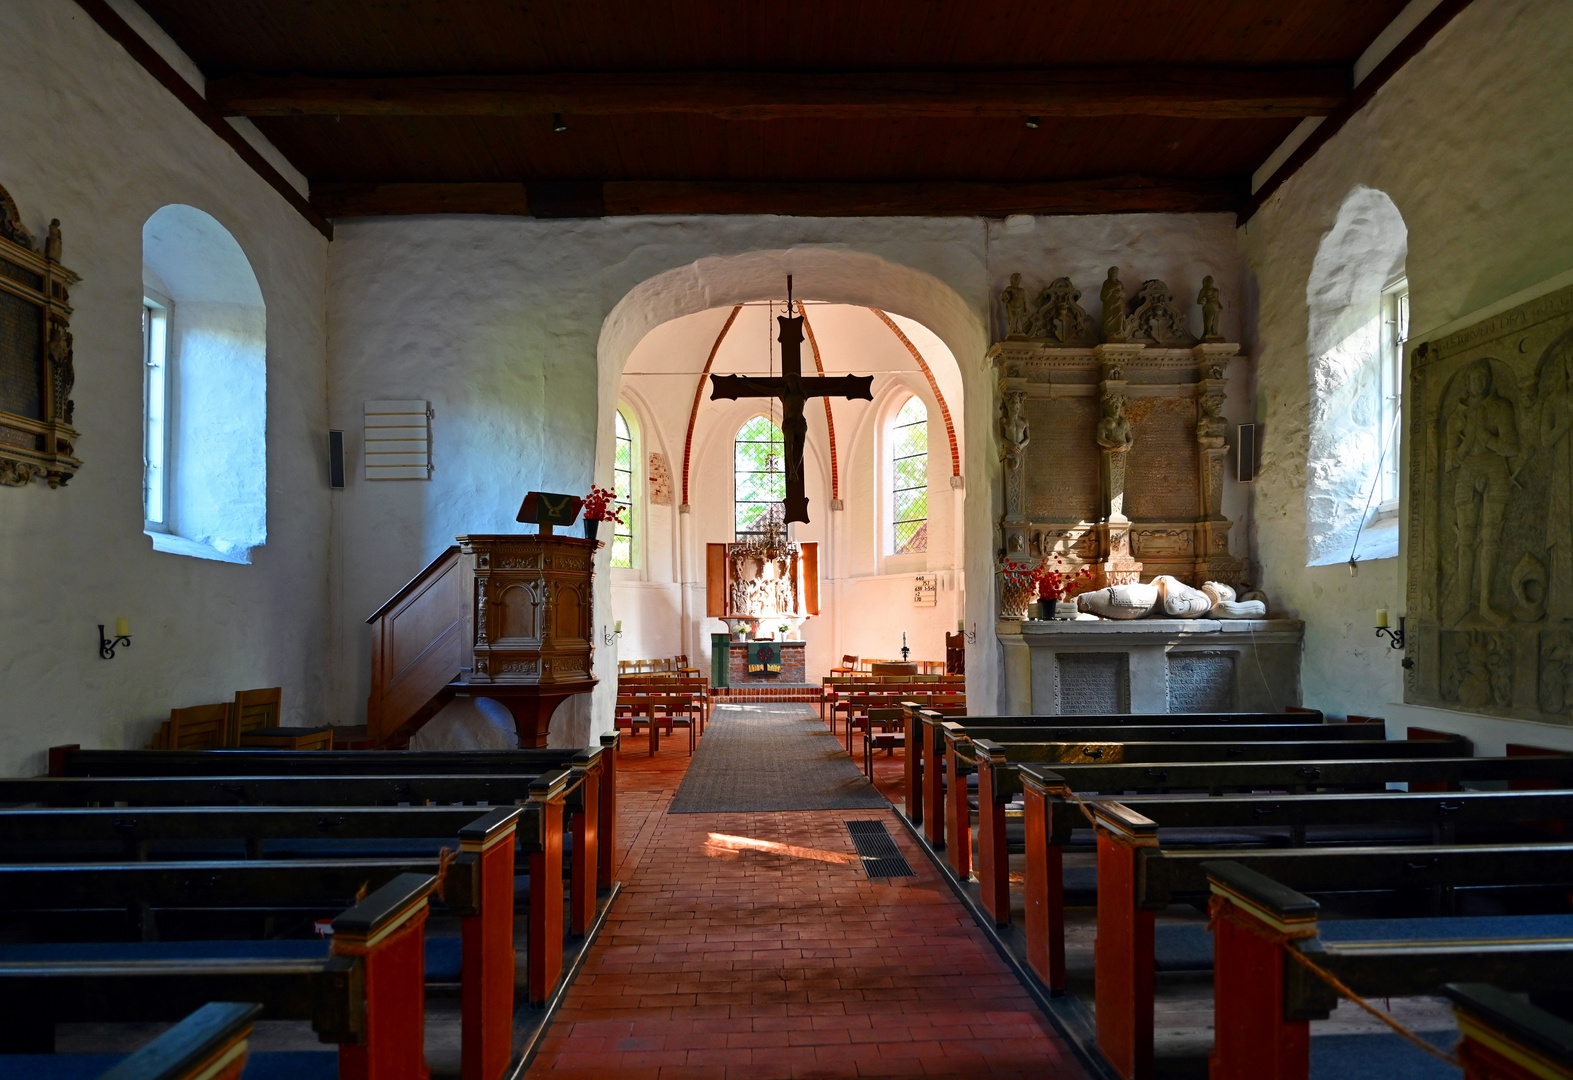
1245,449
336,459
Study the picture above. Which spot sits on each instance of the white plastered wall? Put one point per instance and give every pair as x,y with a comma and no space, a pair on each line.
518,331
1481,168
89,137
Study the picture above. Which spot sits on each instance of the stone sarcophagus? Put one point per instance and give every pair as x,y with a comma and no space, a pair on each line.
1490,556
531,614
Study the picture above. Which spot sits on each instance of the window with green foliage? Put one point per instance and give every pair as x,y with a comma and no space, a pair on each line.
623,490
909,479
759,460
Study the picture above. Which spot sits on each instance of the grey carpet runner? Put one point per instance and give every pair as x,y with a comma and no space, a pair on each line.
771,757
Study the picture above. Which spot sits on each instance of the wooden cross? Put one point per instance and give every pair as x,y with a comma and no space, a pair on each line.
793,390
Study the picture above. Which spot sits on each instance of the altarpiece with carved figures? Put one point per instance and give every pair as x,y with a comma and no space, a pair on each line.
1112,434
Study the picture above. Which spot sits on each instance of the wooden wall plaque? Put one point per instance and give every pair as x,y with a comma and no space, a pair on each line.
37,370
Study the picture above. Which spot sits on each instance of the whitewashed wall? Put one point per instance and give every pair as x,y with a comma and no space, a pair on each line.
518,331
1481,168
89,137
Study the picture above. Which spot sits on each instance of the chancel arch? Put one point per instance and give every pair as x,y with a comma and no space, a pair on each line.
846,459
1353,311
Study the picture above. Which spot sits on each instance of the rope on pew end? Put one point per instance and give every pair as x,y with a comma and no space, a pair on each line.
1081,803
1221,910
445,859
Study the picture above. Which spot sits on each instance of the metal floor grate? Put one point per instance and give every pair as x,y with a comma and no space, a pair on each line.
877,848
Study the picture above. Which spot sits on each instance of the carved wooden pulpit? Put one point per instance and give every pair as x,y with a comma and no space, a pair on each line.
507,617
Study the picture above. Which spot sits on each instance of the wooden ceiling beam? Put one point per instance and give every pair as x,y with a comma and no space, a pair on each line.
568,199
1195,92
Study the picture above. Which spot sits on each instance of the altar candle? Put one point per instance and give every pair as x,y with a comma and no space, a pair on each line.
903,639
1381,618
122,627
961,626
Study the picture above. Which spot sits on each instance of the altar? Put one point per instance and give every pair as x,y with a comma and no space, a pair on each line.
1058,668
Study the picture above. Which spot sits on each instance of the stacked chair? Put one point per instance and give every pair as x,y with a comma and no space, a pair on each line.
1286,859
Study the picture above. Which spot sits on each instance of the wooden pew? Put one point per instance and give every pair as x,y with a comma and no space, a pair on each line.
1048,817
959,765
925,746
594,820
1264,1001
540,828
1128,845
210,1044
363,990
1505,1038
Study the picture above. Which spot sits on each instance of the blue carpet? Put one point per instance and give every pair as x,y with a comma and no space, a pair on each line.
293,1065
1380,1057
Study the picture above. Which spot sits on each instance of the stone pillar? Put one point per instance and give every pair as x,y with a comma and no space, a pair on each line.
1213,560
1115,439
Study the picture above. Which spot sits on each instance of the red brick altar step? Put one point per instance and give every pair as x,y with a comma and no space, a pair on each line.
767,692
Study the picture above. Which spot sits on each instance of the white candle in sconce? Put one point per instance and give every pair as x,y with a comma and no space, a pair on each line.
1381,618
617,627
122,627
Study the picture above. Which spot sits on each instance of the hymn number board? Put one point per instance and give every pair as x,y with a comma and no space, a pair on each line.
37,370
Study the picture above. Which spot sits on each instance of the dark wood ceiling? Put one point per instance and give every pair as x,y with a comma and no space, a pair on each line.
399,112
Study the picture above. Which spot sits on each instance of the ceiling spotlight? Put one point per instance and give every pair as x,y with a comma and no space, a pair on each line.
559,125
1032,123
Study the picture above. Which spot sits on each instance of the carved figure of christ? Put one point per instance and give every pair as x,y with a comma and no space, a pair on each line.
793,390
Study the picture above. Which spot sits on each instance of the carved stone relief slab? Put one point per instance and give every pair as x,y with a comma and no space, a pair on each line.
1491,515
1201,682
1061,480
1161,480
1093,683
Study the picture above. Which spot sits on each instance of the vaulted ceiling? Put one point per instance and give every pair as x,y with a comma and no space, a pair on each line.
816,106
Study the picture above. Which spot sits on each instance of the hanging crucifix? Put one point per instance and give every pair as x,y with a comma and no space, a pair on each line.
793,390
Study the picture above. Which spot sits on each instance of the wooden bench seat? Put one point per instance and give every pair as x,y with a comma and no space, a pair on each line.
362,990
211,1043
1263,1003
925,743
1507,1038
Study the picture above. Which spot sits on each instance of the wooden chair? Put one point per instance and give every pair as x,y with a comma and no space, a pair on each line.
849,665
891,725
254,722
200,727
676,710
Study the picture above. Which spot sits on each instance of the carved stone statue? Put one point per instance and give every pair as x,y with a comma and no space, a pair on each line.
1481,440
1556,440
1113,297
1014,297
1157,319
52,245
1210,424
1059,316
1014,439
62,368
1211,304
1114,430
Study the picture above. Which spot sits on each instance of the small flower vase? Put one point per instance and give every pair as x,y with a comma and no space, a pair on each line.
591,525
1016,592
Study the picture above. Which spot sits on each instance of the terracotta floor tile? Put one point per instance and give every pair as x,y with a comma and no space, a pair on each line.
752,964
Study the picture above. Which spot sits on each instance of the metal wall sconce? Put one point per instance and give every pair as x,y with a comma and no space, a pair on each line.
1395,637
107,645
971,635
609,636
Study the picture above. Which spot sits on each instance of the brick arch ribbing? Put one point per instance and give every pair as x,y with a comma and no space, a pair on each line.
944,410
699,393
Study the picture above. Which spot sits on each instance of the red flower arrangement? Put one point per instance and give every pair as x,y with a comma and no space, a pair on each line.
1057,584
601,505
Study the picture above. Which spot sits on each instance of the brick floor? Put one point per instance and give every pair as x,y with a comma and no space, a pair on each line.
751,945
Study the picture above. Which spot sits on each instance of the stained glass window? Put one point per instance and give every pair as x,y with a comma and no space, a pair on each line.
623,489
909,483
760,464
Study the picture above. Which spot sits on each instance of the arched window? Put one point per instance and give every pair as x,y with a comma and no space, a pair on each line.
205,475
1358,307
623,488
760,472
909,479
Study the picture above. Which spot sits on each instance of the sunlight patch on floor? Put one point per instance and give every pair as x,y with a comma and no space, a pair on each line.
720,845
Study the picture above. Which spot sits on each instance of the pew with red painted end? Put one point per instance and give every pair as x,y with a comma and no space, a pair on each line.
597,822
1265,1000
959,763
925,744
1507,1038
363,990
210,1044
482,873
1048,816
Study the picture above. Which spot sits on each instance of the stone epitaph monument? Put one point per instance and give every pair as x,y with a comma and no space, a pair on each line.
1490,608
1112,433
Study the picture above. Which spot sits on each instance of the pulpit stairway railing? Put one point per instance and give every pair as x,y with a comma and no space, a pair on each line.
418,650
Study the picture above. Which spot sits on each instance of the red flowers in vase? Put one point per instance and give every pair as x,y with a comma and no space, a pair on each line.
601,505
1057,584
